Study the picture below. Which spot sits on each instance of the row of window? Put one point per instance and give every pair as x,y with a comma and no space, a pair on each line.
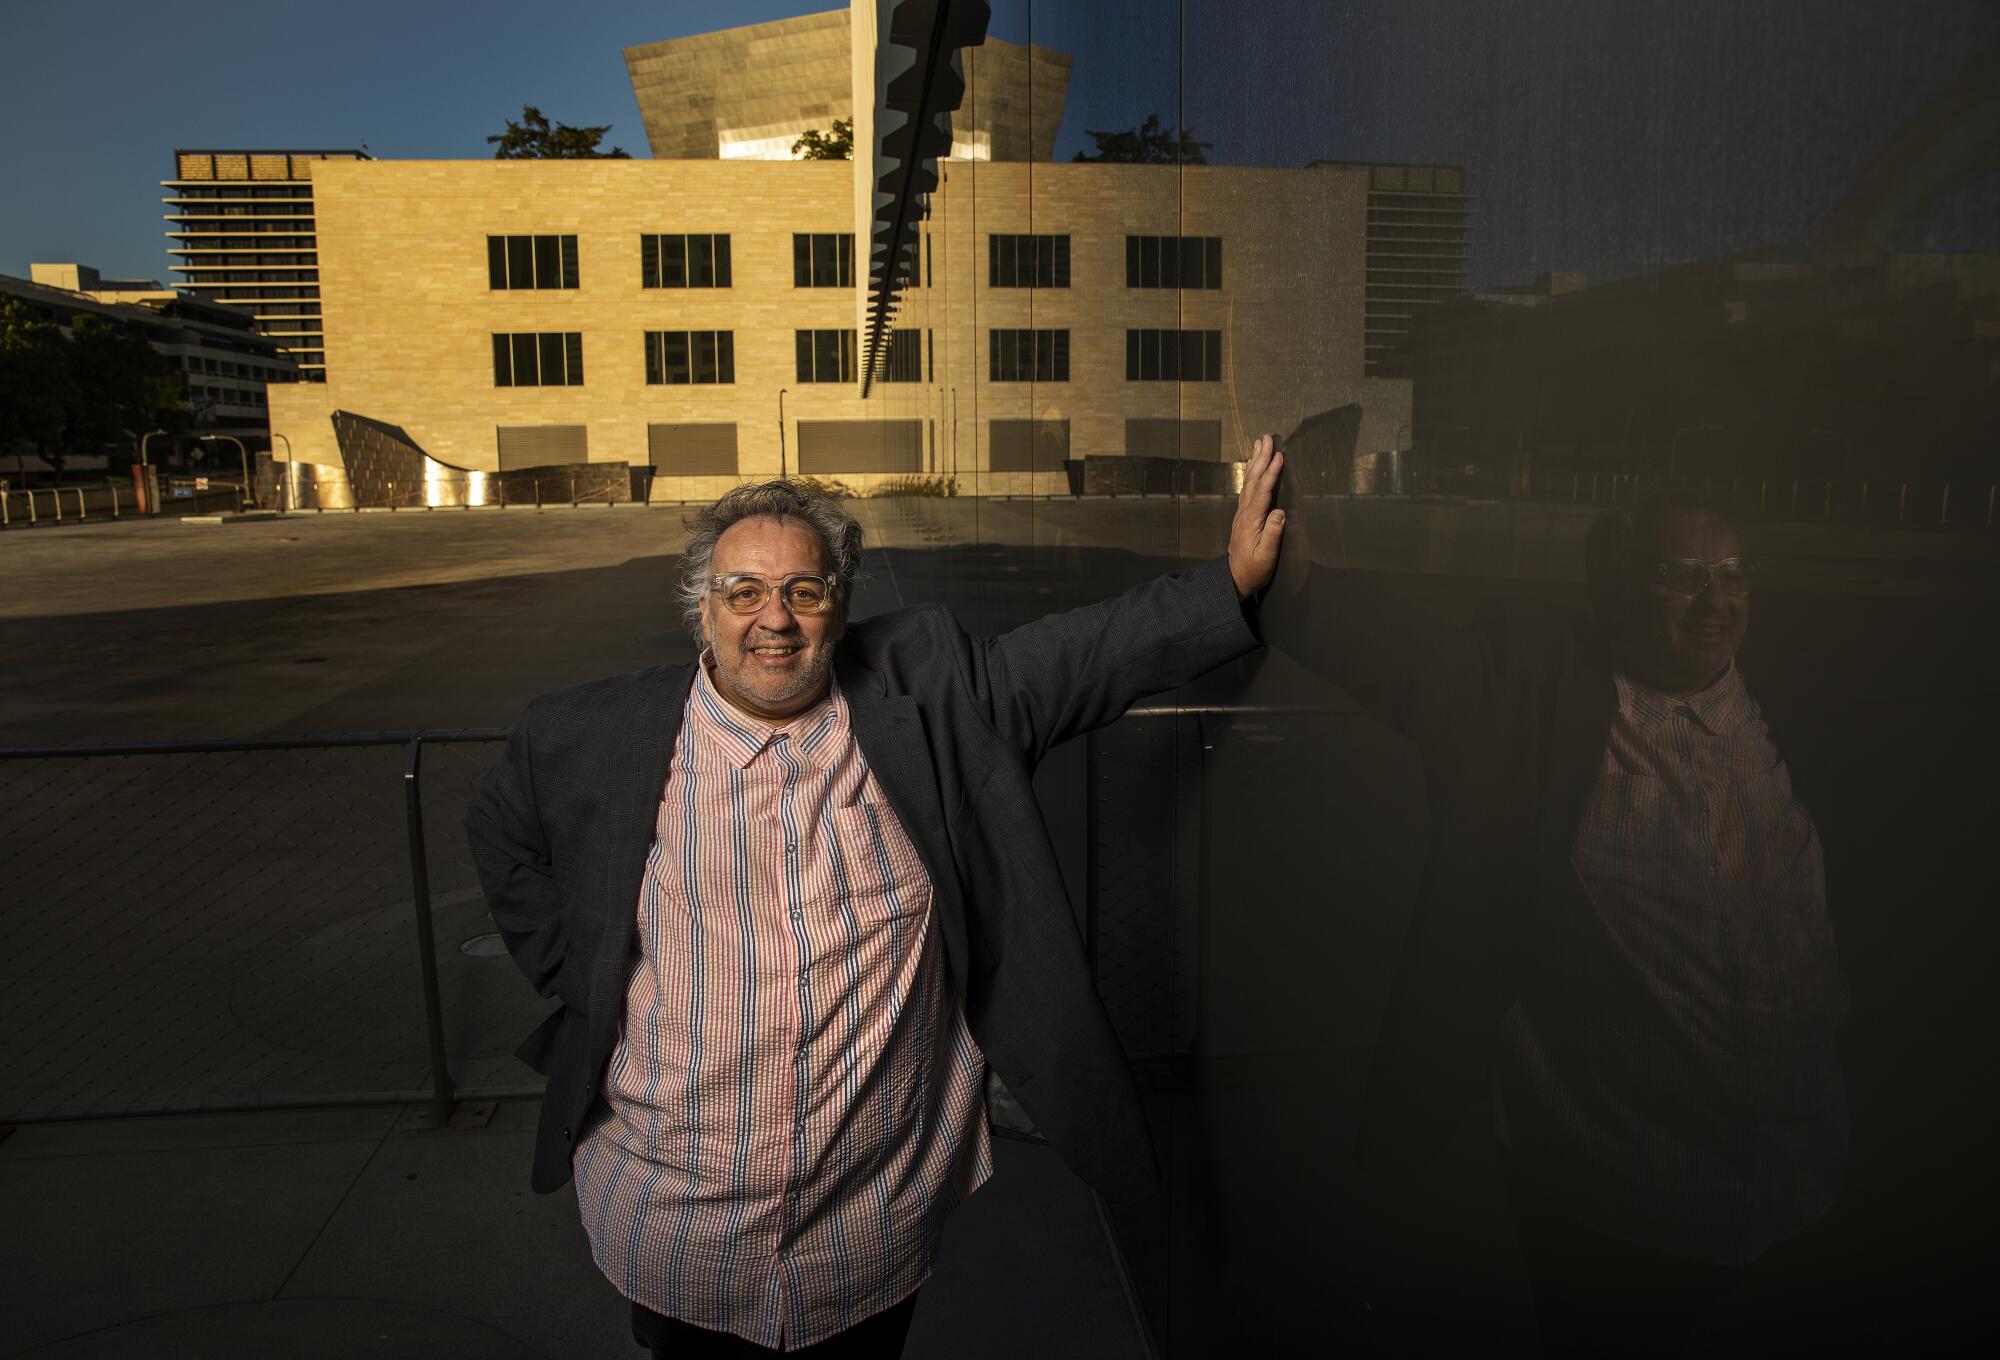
224,368
555,358
825,259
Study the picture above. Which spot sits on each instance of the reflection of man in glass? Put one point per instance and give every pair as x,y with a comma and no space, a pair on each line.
1624,894
795,898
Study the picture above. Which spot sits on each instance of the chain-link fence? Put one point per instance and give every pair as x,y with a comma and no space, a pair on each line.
236,925
232,925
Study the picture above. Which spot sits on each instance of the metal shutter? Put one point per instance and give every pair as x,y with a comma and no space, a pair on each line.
525,446
834,446
1149,438
706,449
1027,445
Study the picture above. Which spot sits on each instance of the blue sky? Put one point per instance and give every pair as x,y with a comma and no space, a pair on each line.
1604,135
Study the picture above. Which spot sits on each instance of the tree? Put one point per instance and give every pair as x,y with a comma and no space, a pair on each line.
36,388
534,138
1148,144
122,385
813,145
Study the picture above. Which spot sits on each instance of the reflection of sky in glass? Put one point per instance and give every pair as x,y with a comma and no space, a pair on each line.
1610,138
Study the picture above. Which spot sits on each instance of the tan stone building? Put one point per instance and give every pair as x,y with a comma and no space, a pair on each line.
698,316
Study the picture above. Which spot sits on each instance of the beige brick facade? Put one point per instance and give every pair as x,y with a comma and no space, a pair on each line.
409,314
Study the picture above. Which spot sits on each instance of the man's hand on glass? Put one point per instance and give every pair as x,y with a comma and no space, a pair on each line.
1255,533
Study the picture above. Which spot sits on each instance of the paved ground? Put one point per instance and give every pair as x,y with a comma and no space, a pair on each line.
327,1234
373,621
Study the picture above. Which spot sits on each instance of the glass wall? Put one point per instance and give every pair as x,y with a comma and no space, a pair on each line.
1490,272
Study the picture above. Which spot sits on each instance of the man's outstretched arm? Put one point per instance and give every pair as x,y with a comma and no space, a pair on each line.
1058,677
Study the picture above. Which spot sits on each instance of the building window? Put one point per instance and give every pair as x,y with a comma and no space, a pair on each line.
1173,262
826,356
696,260
1027,261
674,357
1028,356
823,259
538,359
531,261
1173,356
905,362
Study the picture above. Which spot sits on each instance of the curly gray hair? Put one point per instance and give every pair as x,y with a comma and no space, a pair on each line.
782,498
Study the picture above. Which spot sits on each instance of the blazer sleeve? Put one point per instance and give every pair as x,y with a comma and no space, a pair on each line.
517,870
1064,675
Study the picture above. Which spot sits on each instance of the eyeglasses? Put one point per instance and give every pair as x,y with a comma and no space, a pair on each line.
1688,577
804,592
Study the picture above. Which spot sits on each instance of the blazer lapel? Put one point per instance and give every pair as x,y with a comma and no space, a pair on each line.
889,729
637,772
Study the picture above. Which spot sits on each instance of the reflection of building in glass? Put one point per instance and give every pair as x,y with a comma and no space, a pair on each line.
1419,245
699,315
224,363
243,234
1763,365
748,93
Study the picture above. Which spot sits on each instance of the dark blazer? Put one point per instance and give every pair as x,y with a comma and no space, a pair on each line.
953,727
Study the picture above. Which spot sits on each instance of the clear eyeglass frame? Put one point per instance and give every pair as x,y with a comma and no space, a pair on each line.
1688,577
803,592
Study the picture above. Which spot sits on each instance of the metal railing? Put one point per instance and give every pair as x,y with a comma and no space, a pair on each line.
1963,505
62,504
211,925
217,925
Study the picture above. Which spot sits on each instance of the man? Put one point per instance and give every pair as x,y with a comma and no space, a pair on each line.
794,899
1623,932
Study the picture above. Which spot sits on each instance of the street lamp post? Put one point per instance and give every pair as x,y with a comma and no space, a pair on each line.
243,492
145,440
781,431
284,480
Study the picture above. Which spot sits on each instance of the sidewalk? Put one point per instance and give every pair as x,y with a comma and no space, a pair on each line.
335,1233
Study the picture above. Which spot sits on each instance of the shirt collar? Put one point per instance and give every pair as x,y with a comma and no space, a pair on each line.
1720,709
740,738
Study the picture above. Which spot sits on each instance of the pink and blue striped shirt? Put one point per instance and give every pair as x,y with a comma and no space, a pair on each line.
795,1102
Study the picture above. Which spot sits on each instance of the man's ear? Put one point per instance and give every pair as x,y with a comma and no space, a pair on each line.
707,625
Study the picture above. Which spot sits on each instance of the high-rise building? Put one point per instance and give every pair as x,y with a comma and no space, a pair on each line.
1419,246
243,234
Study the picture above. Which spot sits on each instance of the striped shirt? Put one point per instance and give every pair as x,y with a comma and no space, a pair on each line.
795,1100
1688,1095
